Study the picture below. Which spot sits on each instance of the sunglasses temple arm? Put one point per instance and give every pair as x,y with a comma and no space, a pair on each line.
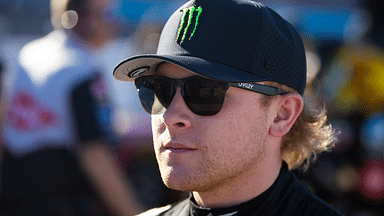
262,89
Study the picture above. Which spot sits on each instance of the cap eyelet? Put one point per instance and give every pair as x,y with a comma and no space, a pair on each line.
138,71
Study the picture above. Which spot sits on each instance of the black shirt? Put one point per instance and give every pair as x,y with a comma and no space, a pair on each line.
286,197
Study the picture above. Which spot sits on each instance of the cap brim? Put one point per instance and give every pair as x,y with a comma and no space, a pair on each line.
136,66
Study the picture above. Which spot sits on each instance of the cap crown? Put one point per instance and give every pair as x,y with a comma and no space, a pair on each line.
248,37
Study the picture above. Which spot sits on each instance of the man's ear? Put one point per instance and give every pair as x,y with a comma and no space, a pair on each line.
289,108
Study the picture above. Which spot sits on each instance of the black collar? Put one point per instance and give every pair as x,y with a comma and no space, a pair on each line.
247,207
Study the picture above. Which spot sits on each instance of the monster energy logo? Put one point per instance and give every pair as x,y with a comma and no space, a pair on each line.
190,12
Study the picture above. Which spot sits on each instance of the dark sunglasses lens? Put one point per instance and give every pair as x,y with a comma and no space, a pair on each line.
154,94
203,96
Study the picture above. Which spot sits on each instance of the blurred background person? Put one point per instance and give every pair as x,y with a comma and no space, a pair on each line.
56,161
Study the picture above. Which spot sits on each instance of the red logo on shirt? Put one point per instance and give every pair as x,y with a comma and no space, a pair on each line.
26,113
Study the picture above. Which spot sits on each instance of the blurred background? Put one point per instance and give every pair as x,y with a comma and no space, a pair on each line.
344,42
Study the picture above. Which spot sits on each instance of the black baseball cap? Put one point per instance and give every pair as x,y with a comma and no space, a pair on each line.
226,40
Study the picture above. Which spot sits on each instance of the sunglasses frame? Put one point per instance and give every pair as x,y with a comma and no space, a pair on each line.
258,88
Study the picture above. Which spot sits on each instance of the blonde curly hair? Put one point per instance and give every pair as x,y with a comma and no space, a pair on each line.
309,136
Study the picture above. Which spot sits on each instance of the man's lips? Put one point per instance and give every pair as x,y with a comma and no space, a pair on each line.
176,147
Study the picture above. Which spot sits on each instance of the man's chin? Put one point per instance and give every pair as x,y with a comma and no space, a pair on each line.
179,183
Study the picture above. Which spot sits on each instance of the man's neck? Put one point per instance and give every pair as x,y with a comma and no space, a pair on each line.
241,189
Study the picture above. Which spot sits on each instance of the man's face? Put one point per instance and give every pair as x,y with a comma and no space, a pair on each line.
204,153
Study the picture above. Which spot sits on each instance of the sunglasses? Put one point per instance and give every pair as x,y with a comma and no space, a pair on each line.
204,97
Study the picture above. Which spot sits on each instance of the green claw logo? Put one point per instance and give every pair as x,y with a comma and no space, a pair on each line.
190,12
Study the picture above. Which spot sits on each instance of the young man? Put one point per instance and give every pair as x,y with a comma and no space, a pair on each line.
55,161
225,91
